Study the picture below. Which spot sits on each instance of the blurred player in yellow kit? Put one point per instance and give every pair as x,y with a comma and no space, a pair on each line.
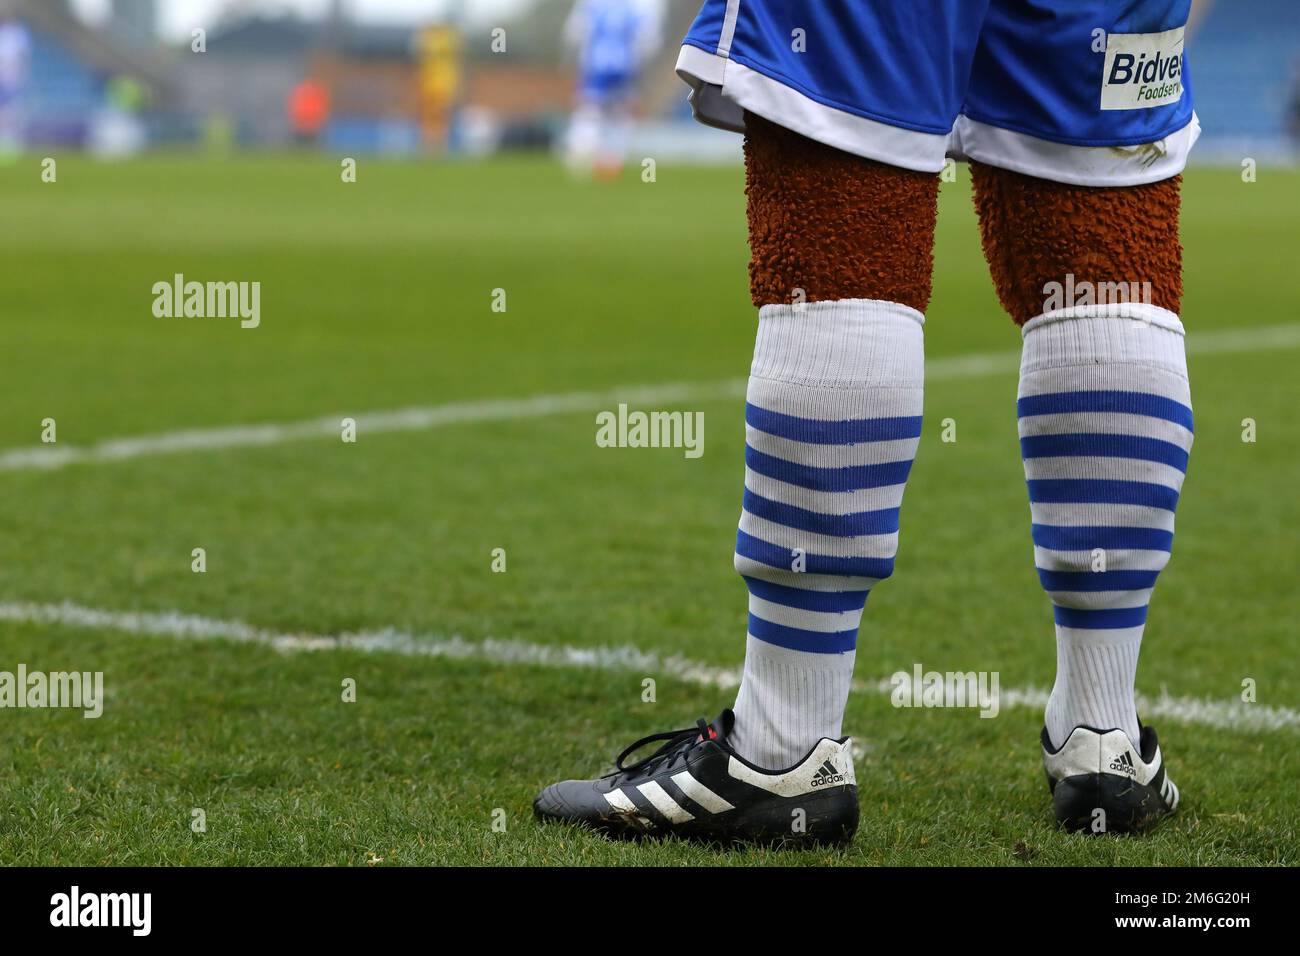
438,49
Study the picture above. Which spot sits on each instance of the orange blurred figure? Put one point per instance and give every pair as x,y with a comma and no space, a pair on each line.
309,110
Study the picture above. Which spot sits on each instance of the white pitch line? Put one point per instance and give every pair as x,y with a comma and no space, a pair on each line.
422,418
178,625
396,420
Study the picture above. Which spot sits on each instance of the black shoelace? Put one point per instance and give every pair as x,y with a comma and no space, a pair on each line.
678,742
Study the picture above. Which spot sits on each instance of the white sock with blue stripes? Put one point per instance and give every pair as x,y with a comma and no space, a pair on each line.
1105,430
833,417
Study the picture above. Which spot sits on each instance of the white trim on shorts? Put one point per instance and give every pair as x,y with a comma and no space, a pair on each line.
1076,165
721,90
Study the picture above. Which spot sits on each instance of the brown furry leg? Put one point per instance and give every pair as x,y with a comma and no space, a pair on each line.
833,224
1037,232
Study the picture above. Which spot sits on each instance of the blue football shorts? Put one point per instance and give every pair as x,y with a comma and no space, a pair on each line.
1088,92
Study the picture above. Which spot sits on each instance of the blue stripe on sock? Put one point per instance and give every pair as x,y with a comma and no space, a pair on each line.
829,601
849,431
1104,446
797,639
852,478
1130,403
1099,619
1065,538
747,546
1097,580
884,521
1101,491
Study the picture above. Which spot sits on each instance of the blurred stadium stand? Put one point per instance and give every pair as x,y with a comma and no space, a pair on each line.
71,66
1244,60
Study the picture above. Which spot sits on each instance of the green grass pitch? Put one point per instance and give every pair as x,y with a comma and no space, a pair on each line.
377,295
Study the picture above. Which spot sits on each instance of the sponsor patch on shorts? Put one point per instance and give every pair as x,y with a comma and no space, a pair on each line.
1142,70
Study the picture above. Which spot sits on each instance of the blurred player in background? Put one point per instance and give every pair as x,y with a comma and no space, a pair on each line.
15,64
118,129
438,49
309,110
612,40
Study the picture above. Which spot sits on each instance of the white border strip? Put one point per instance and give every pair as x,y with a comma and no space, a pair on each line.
1077,165
178,625
743,88
728,27
49,457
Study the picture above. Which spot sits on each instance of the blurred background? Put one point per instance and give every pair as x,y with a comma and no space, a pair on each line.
418,77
